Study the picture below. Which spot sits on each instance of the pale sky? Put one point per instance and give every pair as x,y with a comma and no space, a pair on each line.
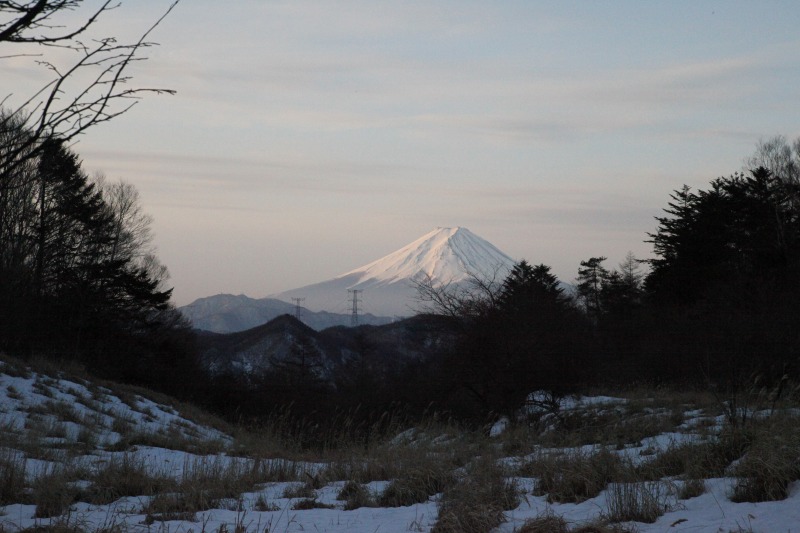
309,138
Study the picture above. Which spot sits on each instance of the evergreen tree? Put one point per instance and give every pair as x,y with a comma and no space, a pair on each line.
724,280
591,276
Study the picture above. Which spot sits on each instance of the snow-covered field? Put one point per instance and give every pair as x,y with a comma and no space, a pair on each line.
62,437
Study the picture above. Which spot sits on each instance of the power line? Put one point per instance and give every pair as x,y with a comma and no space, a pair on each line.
356,301
297,306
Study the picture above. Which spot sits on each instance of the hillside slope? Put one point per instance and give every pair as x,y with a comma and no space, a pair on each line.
80,455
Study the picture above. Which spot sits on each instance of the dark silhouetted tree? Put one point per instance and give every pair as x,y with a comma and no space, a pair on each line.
725,276
591,275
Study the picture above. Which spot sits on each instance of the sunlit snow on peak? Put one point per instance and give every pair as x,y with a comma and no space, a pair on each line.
446,254
386,287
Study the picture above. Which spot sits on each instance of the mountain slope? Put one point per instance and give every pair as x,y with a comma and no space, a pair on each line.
386,286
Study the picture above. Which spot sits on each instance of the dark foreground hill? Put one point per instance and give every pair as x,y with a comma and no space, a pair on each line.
287,342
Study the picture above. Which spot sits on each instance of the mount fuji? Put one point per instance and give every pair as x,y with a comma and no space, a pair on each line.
386,286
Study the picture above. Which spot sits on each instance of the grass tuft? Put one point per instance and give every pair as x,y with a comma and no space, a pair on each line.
575,476
642,501
546,523
476,503
355,495
12,476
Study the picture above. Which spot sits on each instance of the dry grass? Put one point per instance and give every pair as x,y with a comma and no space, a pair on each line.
53,492
355,495
639,501
205,483
310,503
416,485
13,466
691,488
126,476
546,523
437,457
476,503
299,490
574,476
771,464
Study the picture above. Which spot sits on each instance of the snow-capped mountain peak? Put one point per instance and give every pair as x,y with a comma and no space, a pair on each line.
444,254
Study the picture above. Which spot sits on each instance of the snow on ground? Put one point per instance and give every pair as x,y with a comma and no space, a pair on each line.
86,424
709,512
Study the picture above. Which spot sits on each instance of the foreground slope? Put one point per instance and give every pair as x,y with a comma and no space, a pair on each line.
79,455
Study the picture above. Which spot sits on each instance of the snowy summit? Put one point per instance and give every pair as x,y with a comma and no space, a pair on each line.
446,255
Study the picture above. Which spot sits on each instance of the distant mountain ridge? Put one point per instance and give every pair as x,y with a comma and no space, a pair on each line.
228,313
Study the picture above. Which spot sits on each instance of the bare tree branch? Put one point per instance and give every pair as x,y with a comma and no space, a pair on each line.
55,109
36,16
471,298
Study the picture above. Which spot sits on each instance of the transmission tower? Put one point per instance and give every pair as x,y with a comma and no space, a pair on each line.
297,306
355,300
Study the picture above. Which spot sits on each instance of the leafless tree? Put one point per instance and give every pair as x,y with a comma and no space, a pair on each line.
778,155
470,298
90,88
131,233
